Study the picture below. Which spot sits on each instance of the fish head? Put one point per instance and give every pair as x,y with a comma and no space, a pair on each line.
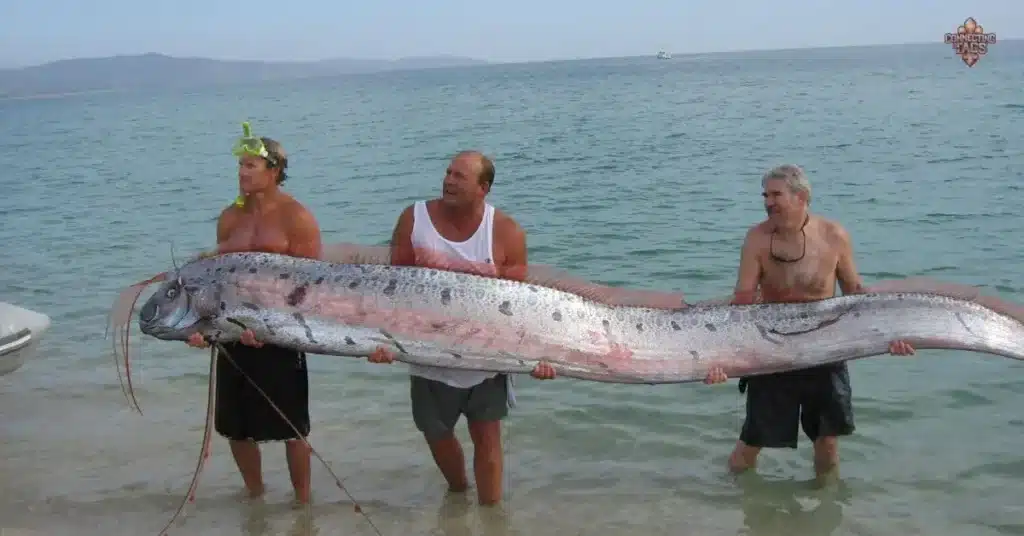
178,309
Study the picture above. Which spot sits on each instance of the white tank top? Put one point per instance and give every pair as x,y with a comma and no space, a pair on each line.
478,248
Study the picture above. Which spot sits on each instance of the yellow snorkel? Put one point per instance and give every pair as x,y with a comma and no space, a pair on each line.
248,145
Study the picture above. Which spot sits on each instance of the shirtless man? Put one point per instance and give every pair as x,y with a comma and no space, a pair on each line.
268,220
795,256
461,225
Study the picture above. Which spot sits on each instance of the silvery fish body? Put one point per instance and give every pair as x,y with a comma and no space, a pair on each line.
463,321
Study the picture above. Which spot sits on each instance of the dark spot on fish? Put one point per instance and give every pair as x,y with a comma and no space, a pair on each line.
296,296
964,323
231,270
349,341
438,326
710,327
522,363
695,355
557,316
446,296
900,297
674,325
235,322
823,324
856,315
338,278
456,355
223,306
319,280
505,308
253,270
532,288
391,288
353,284
393,340
284,275
639,327
603,364
309,331
218,270
606,323
252,306
766,335
803,315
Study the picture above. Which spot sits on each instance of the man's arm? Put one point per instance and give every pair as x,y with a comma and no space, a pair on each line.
749,275
305,235
402,252
513,243
846,269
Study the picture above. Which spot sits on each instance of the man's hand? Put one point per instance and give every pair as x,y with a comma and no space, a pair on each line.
248,338
715,375
196,340
901,348
381,355
543,371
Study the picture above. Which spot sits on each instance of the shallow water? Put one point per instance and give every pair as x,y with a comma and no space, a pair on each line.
633,172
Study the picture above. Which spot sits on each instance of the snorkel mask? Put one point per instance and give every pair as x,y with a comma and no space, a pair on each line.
249,145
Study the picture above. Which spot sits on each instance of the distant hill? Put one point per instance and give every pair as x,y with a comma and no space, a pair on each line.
158,70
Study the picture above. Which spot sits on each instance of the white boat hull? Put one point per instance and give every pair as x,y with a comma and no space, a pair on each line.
20,333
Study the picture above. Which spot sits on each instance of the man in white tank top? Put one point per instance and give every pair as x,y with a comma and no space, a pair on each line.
461,225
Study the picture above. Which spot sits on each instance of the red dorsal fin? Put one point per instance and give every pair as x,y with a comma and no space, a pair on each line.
540,275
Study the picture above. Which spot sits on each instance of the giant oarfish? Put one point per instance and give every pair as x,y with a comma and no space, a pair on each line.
464,321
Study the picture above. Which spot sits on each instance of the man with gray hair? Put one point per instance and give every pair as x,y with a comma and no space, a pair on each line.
795,256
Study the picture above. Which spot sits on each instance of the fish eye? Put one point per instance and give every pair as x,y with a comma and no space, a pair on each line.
171,293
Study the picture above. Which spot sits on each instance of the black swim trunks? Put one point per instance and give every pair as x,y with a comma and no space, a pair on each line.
818,398
242,412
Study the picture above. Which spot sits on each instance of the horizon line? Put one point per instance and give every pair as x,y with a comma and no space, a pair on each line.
473,58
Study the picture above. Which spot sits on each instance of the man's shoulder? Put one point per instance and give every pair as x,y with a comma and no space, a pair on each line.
409,211
230,213
503,218
832,229
294,211
758,232
505,225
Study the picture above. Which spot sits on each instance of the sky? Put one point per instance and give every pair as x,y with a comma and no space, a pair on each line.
33,32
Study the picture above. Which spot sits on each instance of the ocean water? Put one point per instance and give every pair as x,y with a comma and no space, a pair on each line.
628,171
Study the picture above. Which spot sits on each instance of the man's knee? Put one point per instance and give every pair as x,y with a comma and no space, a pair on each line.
485,434
488,402
826,448
296,445
487,448
743,457
826,456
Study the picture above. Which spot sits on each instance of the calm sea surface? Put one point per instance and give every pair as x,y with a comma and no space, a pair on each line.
630,171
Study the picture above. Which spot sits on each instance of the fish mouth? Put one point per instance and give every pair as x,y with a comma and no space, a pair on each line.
177,320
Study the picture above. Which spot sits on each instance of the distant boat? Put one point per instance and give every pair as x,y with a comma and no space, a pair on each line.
662,55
